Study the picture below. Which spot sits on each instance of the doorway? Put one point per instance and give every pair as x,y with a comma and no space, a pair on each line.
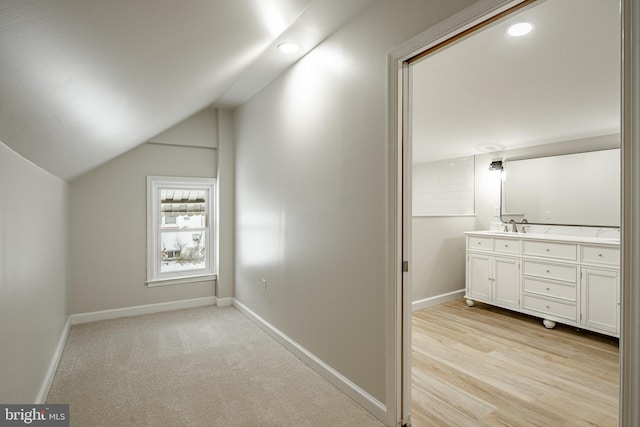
463,28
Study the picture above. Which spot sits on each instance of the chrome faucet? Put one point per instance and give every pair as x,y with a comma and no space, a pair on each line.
514,228
524,227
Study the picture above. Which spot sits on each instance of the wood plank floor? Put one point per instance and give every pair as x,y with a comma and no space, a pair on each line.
484,366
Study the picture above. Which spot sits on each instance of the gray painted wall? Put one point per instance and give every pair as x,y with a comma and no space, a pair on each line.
311,201
226,205
108,219
33,274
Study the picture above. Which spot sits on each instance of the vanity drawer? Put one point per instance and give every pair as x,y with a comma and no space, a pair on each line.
566,251
482,243
559,309
565,291
564,272
509,246
604,255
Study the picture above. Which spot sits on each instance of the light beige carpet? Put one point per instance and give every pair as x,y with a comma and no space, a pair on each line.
198,367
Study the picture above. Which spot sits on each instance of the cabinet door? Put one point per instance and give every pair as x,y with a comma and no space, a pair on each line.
600,299
506,283
479,277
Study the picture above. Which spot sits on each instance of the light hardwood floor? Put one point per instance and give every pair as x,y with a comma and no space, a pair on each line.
484,366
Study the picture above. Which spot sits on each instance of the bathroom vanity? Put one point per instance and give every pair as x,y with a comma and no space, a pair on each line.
574,280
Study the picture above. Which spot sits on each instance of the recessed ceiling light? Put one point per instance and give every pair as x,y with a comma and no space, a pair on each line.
520,29
288,47
488,148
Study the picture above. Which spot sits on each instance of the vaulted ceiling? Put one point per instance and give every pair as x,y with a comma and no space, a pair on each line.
82,81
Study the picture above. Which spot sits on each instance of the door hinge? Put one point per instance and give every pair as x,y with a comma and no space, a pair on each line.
405,266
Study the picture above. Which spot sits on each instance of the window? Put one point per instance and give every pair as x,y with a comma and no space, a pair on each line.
180,230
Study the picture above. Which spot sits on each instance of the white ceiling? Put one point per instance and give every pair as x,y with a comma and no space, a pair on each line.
82,81
491,92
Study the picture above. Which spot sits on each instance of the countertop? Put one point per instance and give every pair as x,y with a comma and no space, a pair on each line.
540,236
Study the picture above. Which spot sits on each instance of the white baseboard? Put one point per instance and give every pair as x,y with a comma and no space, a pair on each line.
53,366
224,302
371,404
438,299
95,316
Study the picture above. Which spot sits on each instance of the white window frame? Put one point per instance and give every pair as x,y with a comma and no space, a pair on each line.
154,275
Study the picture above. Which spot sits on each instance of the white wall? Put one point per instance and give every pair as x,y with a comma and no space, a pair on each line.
311,202
108,219
33,274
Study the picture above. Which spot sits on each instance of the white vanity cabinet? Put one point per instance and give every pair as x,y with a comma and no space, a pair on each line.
562,280
492,277
550,281
600,285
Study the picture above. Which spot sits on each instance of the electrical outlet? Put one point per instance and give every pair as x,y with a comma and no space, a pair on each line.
496,211
264,285
548,215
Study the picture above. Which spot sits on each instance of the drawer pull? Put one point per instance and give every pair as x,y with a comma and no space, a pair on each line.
548,271
548,289
600,255
548,306
479,243
548,250
506,246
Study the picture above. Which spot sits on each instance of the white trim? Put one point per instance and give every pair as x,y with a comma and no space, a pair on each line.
138,310
154,185
363,398
224,302
436,300
182,280
443,215
630,243
53,366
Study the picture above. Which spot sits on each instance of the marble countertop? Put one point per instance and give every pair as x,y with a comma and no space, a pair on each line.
544,236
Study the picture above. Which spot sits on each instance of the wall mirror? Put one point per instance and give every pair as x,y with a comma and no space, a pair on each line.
570,189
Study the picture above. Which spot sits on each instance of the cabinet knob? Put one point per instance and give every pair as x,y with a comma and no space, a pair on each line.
548,306
548,289
548,250
548,271
600,255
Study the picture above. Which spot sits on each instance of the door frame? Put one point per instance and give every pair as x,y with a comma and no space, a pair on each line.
399,310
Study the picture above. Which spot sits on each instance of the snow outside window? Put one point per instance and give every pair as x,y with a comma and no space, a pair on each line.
180,230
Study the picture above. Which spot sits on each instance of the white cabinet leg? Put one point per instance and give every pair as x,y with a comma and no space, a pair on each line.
470,302
549,324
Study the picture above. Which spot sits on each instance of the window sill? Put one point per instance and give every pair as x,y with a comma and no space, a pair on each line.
181,280
443,215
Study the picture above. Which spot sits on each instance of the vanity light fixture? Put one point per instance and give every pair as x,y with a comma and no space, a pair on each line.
496,165
520,29
288,47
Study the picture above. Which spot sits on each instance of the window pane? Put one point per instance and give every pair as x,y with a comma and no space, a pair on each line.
183,208
182,250
169,221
